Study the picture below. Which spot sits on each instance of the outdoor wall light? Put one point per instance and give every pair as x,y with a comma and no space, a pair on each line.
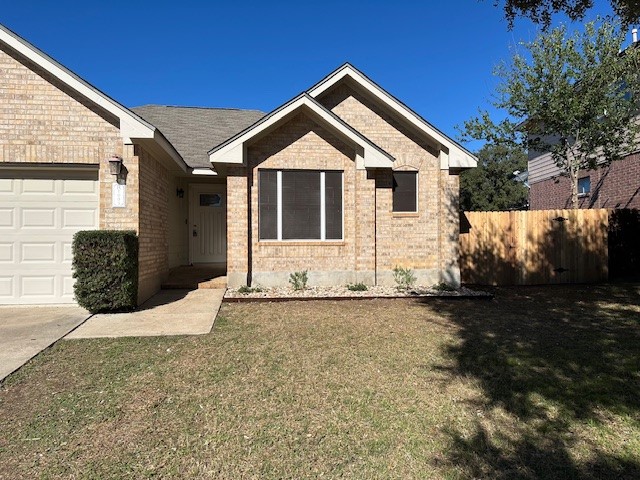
180,193
115,165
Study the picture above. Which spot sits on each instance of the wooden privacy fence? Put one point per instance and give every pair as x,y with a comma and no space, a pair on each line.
534,247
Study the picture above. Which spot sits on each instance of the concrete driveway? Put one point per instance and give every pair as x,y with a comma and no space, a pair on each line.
26,331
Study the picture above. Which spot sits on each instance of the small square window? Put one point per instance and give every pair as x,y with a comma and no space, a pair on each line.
584,186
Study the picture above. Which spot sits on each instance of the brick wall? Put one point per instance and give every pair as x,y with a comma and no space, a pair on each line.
402,239
301,143
375,238
615,186
43,121
153,223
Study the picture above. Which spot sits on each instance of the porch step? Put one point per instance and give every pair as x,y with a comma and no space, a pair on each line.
218,282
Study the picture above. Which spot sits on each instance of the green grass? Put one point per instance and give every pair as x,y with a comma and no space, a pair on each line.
538,383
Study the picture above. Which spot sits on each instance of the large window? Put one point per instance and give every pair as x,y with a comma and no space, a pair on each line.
405,191
300,205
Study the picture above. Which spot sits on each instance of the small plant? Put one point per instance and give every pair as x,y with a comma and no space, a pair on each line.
247,289
443,287
298,280
357,287
404,278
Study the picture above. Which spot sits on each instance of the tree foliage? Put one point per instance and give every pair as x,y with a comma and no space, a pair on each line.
491,186
575,95
541,11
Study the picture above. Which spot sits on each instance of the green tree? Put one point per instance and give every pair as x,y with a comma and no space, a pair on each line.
541,11
575,95
491,186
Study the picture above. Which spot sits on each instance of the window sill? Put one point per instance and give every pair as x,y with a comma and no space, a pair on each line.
583,195
405,214
301,243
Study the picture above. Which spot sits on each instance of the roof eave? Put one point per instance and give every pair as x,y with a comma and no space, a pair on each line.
458,155
233,151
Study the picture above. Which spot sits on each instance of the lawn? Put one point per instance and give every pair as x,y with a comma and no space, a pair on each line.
538,383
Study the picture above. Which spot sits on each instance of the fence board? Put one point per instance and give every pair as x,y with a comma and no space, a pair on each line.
534,247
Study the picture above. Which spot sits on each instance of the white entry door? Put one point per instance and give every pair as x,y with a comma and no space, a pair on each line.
208,222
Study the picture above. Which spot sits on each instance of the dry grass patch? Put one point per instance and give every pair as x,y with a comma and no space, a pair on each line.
517,387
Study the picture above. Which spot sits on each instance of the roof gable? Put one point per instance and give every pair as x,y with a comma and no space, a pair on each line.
453,155
131,125
368,155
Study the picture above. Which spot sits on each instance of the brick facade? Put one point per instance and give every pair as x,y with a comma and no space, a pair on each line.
375,239
615,186
43,121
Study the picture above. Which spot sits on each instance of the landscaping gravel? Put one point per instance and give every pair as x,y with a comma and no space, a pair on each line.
343,291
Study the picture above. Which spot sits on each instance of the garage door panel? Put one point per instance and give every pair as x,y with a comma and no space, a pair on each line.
38,219
67,285
6,252
71,187
41,252
39,186
6,185
67,252
37,285
7,217
78,218
6,287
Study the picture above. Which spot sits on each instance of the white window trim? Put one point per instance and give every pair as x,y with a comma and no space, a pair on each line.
323,212
417,174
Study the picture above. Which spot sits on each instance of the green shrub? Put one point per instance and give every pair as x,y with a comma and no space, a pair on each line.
357,287
443,287
404,278
298,280
105,266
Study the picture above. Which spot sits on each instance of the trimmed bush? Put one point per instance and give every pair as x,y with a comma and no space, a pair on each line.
105,266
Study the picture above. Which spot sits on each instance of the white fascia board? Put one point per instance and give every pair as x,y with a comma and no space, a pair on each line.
131,125
463,158
204,171
234,151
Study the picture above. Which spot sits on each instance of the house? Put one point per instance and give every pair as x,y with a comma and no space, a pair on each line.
614,186
344,181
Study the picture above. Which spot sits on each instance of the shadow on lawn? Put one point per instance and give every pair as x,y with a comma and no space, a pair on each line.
555,359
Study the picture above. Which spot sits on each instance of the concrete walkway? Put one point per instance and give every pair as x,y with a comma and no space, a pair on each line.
27,330
169,312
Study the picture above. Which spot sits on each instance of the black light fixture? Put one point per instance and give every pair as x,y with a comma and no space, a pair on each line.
180,193
115,164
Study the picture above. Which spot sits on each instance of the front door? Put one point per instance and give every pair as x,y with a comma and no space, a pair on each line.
208,223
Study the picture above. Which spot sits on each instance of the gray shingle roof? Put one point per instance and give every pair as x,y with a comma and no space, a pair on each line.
193,131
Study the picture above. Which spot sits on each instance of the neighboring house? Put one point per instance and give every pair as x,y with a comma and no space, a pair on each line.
614,186
344,181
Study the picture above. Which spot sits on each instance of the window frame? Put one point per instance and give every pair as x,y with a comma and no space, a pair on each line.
406,212
588,192
323,211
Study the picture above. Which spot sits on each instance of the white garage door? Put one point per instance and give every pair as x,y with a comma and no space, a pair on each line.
39,213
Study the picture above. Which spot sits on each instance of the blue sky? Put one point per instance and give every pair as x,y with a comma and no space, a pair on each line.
437,57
